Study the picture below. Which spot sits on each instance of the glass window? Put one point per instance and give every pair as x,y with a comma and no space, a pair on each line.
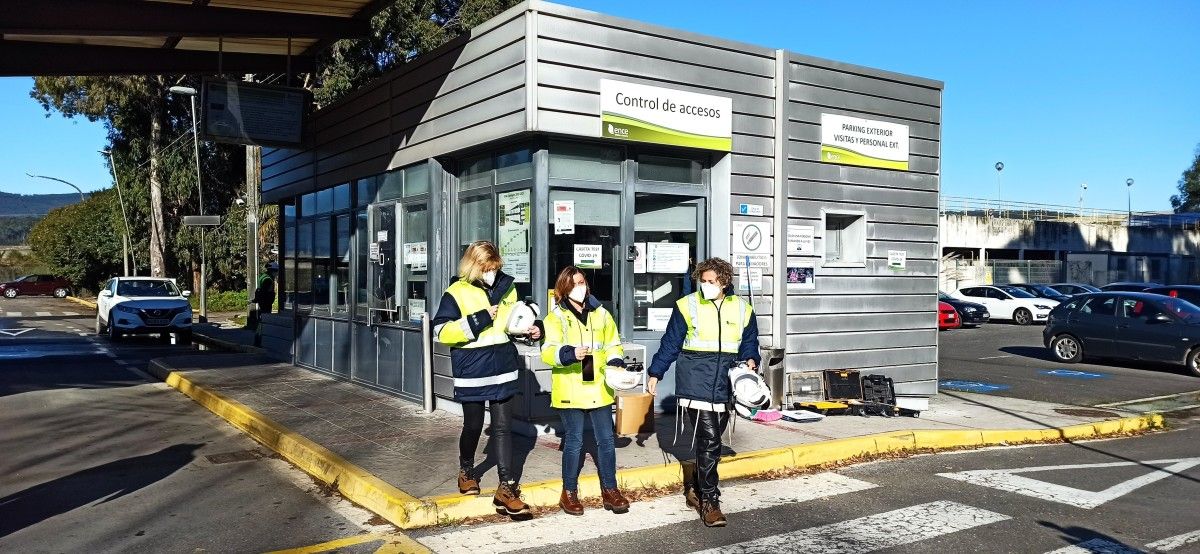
415,260
1100,306
304,268
671,170
341,197
476,221
391,186
308,204
1140,310
665,228
588,162
340,286
365,192
289,266
476,173
600,229
383,268
845,239
321,280
416,180
514,166
362,241
289,212
324,202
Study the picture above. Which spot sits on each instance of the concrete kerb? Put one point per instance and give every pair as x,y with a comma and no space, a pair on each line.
82,302
408,512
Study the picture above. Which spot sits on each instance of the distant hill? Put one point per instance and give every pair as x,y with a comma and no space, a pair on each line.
33,204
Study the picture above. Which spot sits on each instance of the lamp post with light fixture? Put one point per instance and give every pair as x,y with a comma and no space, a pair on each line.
191,94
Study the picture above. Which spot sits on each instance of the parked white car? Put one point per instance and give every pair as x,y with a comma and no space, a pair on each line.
143,306
1005,302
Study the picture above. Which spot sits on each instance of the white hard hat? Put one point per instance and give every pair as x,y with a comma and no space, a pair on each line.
619,378
522,317
749,389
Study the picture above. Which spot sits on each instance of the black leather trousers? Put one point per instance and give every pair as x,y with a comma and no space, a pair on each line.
501,443
708,427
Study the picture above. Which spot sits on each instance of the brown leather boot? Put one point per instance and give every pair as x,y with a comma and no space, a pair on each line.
615,501
569,502
692,499
710,514
466,483
508,500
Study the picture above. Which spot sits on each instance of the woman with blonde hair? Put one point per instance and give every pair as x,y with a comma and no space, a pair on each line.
581,340
472,319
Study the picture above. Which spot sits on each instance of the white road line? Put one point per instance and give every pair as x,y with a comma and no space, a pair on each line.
84,334
43,314
561,528
1096,546
1171,543
70,313
995,357
15,314
875,532
1147,399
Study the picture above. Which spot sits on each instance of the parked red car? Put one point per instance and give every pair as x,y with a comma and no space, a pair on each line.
30,285
947,317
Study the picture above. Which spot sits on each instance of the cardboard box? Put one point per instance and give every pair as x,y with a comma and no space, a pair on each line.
635,413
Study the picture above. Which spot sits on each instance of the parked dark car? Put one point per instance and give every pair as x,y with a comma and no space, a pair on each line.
1072,289
1042,291
1127,325
970,313
31,285
1128,287
1191,293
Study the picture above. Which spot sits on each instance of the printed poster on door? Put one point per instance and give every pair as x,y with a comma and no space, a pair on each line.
564,217
667,257
416,255
515,222
865,142
588,256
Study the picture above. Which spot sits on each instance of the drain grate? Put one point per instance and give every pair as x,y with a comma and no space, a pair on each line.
1085,412
230,457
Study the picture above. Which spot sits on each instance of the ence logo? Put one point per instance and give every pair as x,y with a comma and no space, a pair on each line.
618,131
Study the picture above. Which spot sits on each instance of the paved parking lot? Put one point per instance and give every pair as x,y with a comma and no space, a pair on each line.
1009,360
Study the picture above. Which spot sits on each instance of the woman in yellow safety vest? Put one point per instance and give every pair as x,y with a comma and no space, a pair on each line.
472,320
581,339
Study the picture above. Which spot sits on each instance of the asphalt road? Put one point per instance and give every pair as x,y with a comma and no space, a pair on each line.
99,457
1009,360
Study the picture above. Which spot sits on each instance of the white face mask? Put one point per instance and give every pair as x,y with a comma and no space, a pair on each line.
710,291
489,277
578,294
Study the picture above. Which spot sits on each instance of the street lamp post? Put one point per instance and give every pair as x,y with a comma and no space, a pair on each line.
126,244
72,185
999,168
1129,200
191,94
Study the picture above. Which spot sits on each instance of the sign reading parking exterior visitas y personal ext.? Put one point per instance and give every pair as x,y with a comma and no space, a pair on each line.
865,142
642,113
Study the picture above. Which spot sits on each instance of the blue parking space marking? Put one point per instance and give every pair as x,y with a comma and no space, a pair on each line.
970,386
1072,374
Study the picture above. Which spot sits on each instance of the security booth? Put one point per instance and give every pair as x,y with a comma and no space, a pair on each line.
631,151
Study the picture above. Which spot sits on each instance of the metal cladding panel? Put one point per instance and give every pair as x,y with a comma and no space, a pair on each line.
870,317
465,93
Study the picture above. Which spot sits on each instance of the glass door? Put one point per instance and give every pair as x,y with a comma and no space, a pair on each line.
592,242
667,240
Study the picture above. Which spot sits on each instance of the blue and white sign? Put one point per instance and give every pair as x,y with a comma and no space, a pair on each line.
1072,374
970,386
750,209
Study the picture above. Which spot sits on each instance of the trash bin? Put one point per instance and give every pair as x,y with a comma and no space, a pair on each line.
774,374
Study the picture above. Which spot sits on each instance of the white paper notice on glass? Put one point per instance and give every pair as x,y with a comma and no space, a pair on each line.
589,256
657,318
517,265
667,257
753,283
373,253
381,236
564,217
800,240
416,254
639,263
416,307
897,259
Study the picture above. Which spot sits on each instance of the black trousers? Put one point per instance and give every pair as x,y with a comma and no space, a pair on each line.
468,441
708,426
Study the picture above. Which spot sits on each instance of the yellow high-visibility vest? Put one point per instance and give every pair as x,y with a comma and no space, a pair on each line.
471,299
710,331
567,387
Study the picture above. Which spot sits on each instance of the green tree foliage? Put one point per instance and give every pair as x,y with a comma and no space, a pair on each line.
81,242
14,229
399,33
1188,199
34,204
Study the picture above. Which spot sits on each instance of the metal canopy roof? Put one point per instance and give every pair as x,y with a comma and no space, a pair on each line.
115,37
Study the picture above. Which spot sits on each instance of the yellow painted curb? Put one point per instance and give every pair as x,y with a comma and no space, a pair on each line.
82,302
409,512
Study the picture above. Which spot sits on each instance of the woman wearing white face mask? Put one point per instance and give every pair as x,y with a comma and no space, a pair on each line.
472,320
709,331
581,341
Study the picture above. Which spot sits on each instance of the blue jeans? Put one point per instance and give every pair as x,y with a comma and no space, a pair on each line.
572,446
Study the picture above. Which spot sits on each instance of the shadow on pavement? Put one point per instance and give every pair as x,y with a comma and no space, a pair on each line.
1040,353
102,483
1076,535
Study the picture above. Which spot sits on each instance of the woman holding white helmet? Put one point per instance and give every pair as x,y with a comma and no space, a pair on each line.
582,342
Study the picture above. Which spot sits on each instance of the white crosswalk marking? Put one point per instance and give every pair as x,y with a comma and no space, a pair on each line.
70,313
1171,543
562,528
874,532
1096,546
43,314
14,314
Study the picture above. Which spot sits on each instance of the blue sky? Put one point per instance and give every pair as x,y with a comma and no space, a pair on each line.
1063,93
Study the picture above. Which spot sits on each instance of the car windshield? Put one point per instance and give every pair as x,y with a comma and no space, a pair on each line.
146,287
1046,290
27,278
1183,310
1016,292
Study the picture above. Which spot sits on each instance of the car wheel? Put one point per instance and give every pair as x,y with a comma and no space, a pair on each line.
1193,362
61,292
1067,349
113,333
183,337
1022,316
10,293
